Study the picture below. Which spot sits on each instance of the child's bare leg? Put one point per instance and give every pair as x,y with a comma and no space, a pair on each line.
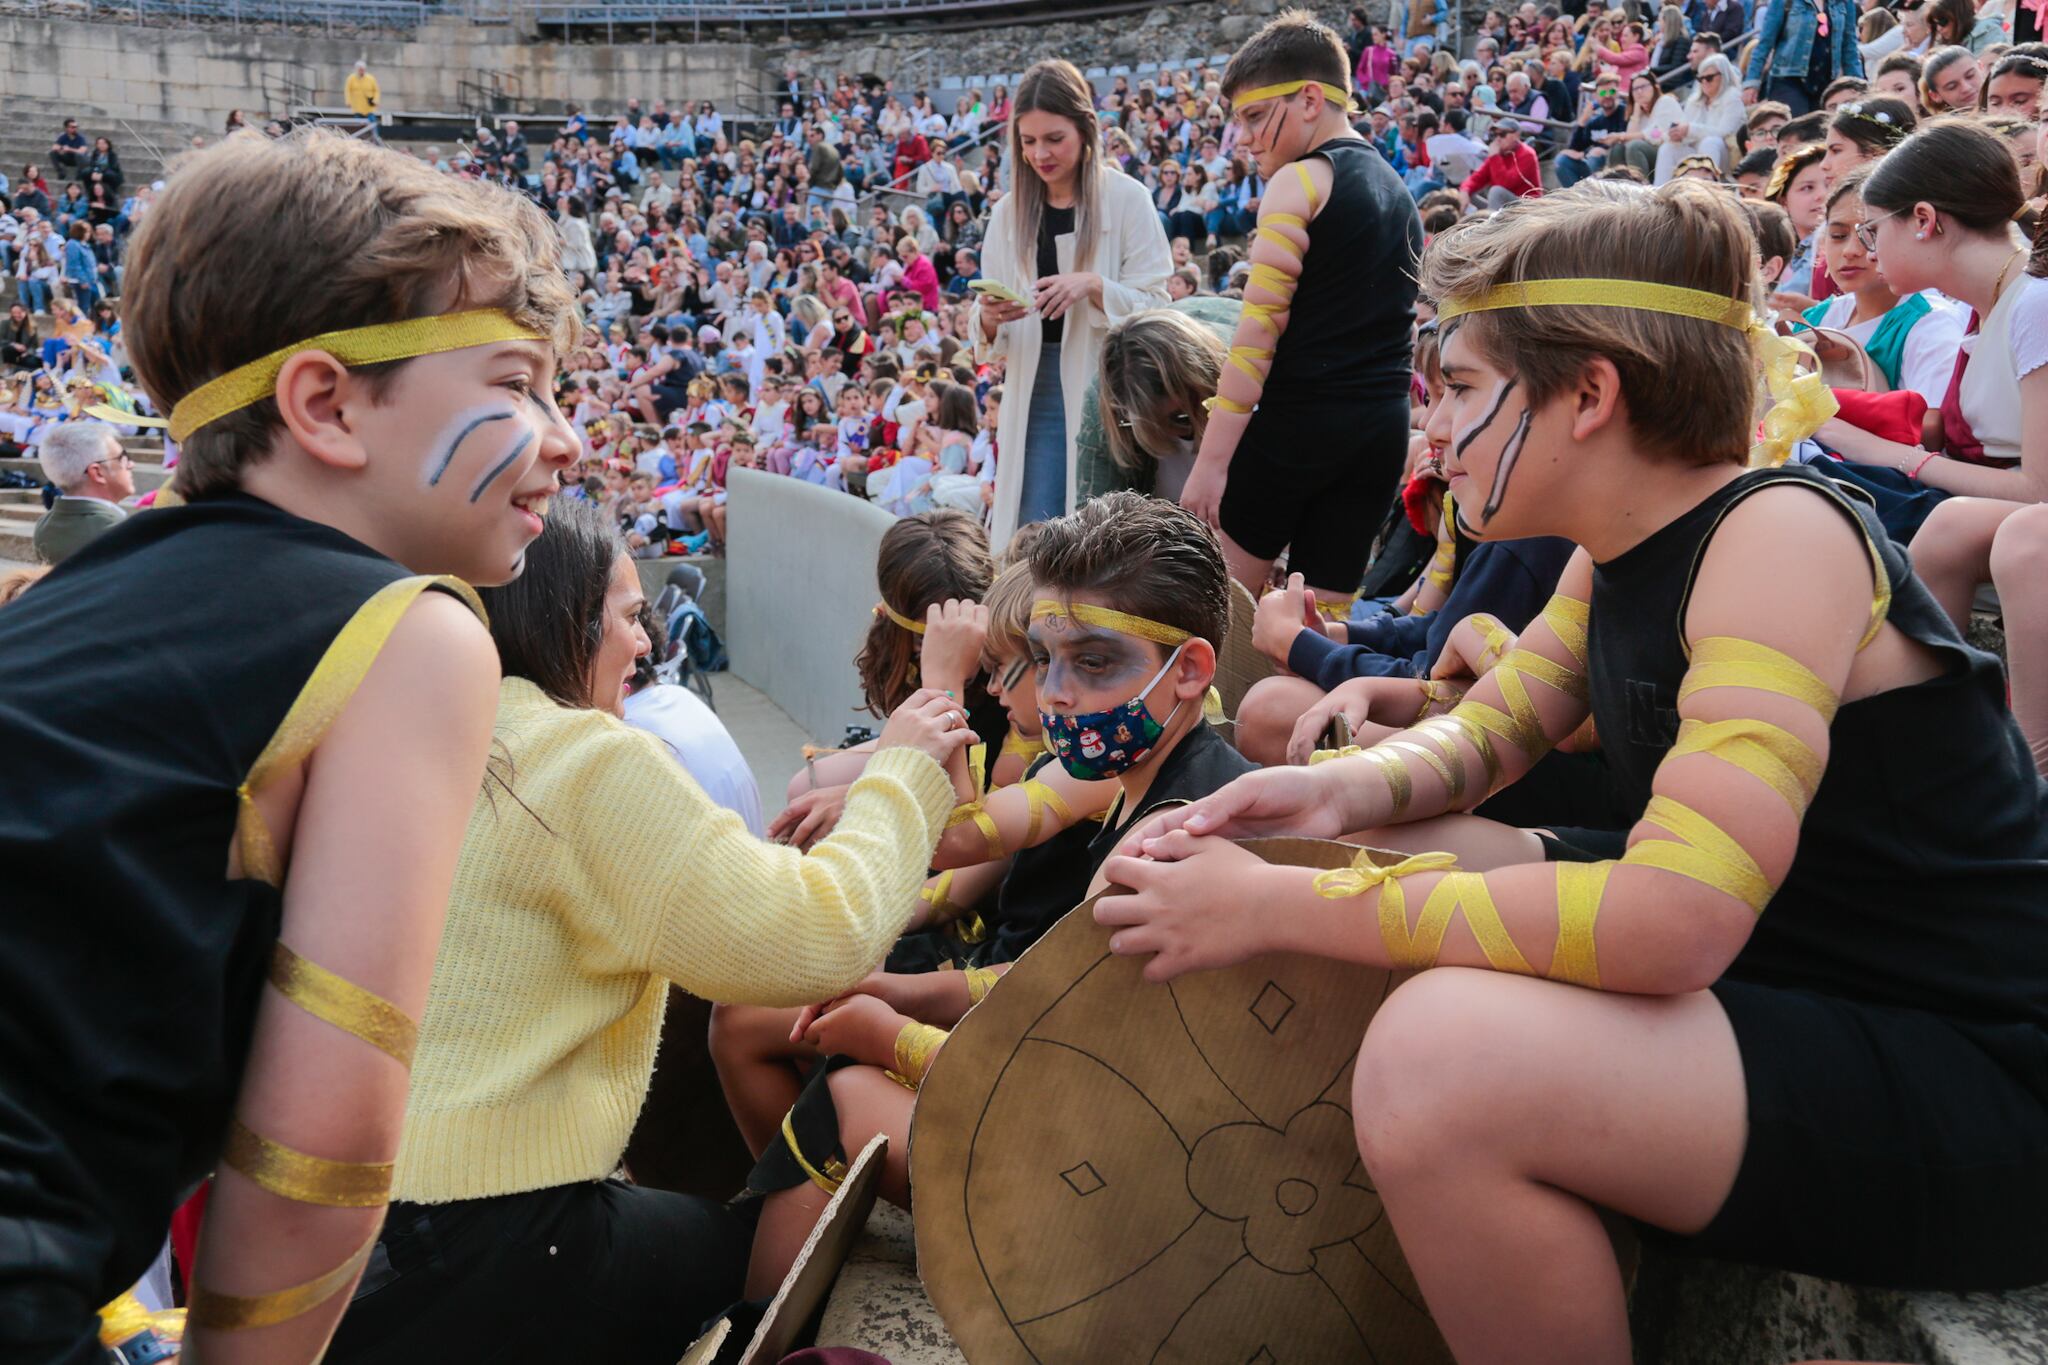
1479,843
2019,556
1266,716
1254,571
750,1046
1494,1111
1952,555
868,1103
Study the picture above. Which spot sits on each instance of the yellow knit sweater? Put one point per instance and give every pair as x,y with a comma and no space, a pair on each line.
541,1026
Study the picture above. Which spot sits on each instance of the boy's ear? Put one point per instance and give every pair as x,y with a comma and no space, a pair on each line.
1596,398
1196,670
321,404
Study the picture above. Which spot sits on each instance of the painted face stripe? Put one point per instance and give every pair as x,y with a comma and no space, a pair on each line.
448,455
1508,456
1500,400
525,440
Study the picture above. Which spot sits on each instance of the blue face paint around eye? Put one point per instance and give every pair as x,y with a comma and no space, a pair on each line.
1101,744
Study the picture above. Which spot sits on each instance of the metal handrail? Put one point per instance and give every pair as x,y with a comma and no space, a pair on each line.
896,184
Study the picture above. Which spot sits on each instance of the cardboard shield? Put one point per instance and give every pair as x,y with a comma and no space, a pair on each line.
810,1279
1111,1170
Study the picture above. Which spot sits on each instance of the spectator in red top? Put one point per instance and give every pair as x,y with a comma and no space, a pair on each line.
1509,173
912,151
918,272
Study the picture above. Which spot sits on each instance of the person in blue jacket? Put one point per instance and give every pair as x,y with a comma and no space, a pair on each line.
1801,46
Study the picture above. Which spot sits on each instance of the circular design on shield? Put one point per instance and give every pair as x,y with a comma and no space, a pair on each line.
1107,1169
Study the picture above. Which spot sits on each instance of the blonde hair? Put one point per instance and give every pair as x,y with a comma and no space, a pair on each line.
1685,234
1056,87
1157,354
374,235
1009,609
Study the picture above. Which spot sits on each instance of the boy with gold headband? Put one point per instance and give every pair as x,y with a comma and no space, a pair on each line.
247,822
1798,1015
1131,601
1308,429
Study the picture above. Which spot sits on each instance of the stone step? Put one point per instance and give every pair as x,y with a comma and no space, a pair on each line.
20,516
16,545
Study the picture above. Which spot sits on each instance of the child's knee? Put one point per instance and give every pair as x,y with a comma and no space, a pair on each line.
1409,1091
2019,551
1265,720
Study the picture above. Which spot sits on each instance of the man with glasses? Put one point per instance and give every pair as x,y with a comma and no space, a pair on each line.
84,459
1602,120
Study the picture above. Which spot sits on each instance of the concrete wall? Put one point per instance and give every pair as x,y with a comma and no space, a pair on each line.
195,76
800,594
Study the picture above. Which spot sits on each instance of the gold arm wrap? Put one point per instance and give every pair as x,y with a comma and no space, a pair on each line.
1499,640
980,981
983,821
1268,233
1579,889
1698,849
292,1174
241,1313
935,895
1443,564
1453,778
1522,726
1308,187
914,1048
1725,661
1016,746
1446,730
342,1003
1568,619
1038,799
1777,758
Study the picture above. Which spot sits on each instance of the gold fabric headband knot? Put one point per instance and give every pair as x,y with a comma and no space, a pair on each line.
371,345
1045,608
1800,398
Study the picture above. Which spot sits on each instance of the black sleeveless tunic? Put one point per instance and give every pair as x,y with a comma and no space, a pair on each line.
1892,1003
138,684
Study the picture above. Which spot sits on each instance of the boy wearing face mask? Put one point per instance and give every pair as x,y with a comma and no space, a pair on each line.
1131,599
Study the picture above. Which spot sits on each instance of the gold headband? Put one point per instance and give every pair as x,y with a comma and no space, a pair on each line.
372,345
1801,399
1122,624
1271,92
884,609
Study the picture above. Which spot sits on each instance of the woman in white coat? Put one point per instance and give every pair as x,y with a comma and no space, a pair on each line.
1707,122
1083,244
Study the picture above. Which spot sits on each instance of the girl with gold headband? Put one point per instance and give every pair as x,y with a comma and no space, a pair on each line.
1798,1014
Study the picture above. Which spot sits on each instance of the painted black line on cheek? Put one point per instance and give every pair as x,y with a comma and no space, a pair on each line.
449,454
502,465
1500,400
1509,454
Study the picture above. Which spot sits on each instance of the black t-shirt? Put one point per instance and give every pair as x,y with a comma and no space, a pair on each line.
1050,227
1348,329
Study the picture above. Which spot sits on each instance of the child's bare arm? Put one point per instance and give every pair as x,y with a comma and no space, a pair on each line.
372,853
1279,243
1020,817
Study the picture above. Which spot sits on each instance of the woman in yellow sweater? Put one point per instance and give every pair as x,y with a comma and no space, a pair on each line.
596,871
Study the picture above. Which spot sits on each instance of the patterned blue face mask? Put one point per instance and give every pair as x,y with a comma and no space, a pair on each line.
1101,744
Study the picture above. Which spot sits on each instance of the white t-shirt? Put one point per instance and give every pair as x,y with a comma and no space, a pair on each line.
1454,155
1929,359
2029,328
1990,391
699,741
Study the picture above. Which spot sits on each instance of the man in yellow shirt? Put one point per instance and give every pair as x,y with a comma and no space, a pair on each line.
362,96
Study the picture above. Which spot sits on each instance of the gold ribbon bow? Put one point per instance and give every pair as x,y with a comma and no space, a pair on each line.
1800,397
1364,874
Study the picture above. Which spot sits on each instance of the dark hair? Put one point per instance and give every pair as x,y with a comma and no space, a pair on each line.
657,642
1874,125
1149,557
549,621
1841,83
1960,14
1758,162
1960,168
1806,128
1294,46
925,559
